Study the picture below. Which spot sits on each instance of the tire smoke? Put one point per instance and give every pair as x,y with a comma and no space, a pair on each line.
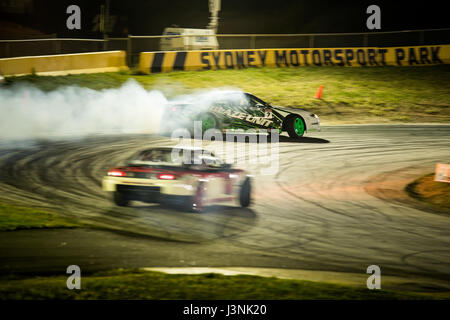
30,113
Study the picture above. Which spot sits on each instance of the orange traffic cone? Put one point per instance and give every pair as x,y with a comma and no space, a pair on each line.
319,92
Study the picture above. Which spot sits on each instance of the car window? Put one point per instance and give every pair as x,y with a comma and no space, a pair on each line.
255,102
245,101
200,159
211,162
155,155
221,103
194,157
237,100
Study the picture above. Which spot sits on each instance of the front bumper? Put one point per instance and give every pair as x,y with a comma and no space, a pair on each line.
314,123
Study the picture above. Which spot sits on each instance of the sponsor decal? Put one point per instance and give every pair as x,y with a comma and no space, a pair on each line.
263,121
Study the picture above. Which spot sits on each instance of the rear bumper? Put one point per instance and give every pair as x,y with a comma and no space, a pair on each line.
152,195
147,186
141,193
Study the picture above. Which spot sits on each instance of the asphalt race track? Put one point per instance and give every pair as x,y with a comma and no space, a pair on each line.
336,203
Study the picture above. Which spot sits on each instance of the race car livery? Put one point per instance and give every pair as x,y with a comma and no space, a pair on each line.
191,178
237,110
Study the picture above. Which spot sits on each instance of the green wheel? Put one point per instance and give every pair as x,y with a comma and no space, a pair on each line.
208,120
295,126
299,127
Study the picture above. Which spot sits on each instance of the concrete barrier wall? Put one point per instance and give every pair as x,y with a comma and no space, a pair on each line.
108,61
152,62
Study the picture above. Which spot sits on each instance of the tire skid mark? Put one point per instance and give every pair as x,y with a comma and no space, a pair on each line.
298,216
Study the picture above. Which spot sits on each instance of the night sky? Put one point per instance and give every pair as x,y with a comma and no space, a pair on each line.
148,17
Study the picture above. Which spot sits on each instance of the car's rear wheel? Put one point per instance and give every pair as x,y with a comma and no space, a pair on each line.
245,193
121,199
295,126
195,203
208,121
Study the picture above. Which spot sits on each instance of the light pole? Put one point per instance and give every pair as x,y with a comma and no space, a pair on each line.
214,8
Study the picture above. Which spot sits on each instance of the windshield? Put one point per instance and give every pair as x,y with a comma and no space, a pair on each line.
154,155
239,100
254,101
176,157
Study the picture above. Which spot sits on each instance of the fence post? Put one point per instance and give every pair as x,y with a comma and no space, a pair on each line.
105,42
311,41
129,51
57,46
7,50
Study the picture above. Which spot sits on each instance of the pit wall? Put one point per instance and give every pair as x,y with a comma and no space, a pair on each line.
92,62
154,62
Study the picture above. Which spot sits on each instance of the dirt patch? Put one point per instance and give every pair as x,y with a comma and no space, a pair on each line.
436,194
402,187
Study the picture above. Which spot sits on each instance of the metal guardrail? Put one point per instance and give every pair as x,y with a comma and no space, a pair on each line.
135,44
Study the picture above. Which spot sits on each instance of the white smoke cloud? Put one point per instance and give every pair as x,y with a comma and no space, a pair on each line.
30,113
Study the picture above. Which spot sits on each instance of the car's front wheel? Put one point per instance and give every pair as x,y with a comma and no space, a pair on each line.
295,126
121,199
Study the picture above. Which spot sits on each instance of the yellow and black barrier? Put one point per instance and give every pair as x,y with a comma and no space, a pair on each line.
166,61
105,61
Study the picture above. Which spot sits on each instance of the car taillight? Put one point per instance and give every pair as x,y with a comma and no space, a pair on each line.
116,173
166,176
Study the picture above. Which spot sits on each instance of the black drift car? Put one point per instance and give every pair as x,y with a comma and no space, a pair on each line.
234,110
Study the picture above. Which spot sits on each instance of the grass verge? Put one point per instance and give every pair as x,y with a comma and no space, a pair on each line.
15,218
351,95
436,194
136,284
